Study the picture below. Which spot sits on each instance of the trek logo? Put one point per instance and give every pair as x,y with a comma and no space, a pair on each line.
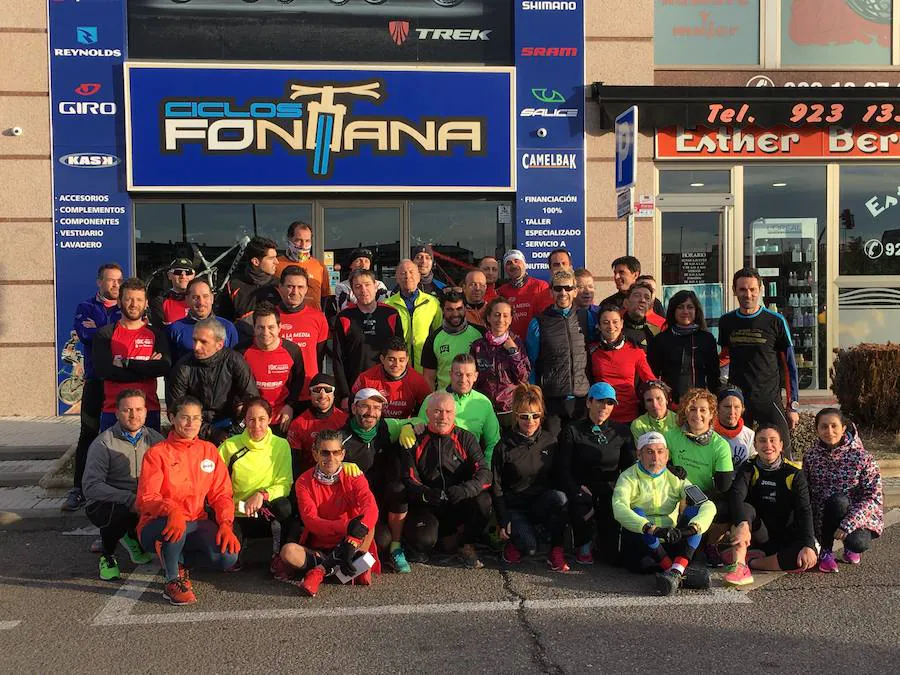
87,108
549,51
549,161
549,112
87,88
528,5
399,31
89,160
317,125
547,95
86,35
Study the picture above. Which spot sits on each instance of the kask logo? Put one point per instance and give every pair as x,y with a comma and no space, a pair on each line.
87,35
89,160
87,88
548,96
399,31
317,120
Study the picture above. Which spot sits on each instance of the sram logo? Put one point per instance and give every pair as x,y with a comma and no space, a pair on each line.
549,51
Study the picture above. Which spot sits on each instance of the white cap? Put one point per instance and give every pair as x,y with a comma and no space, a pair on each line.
513,254
651,437
367,393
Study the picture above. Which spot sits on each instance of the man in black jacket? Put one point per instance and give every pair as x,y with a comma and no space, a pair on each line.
218,377
446,479
255,284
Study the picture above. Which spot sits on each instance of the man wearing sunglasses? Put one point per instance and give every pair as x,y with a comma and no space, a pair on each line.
172,305
557,348
321,414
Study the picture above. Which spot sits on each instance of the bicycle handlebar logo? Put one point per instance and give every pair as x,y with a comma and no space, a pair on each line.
318,120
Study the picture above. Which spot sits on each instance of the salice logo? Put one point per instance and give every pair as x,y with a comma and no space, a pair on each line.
86,35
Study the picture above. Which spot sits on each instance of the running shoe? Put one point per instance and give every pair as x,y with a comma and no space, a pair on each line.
557,560
109,567
741,576
511,554
667,582
696,578
827,563
312,580
280,570
137,554
178,592
468,558
713,559
74,500
584,557
851,557
398,561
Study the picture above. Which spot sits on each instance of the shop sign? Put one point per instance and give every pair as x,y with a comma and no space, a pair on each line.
91,209
832,142
295,128
777,78
644,206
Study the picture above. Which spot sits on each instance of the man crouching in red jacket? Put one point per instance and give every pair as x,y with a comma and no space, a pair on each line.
178,476
339,514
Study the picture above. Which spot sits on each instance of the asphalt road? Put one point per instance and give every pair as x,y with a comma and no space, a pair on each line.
56,616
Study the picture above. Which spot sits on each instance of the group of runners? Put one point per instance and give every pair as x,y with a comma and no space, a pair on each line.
361,426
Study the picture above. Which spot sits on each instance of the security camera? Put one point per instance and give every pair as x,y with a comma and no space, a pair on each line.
542,133
17,131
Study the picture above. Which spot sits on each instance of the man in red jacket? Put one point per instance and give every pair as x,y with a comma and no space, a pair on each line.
322,414
527,295
179,477
302,324
404,388
339,514
173,305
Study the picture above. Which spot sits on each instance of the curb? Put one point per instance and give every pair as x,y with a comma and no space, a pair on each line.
50,480
41,519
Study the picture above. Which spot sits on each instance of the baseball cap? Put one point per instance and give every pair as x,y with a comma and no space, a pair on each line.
181,264
602,390
360,253
323,378
513,254
651,437
416,250
367,393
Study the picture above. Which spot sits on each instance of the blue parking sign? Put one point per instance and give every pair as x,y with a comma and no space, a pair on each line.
626,148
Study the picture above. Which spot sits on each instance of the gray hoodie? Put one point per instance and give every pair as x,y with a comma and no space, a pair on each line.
114,464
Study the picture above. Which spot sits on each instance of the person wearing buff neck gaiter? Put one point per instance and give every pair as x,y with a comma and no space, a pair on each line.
299,252
423,257
455,336
254,285
730,425
528,296
321,414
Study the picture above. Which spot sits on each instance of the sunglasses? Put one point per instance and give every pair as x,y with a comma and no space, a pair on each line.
330,453
183,273
567,289
322,390
528,416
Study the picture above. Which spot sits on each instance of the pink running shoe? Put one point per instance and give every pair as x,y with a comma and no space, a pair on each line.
827,563
851,557
511,554
741,576
557,560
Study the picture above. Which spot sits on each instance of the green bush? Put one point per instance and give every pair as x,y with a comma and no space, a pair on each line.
866,381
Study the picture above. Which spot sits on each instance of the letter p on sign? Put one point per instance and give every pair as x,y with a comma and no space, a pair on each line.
626,148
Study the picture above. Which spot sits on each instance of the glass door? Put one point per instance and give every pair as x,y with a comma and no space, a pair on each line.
693,259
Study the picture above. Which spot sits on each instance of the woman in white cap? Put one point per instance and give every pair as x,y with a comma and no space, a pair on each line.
657,534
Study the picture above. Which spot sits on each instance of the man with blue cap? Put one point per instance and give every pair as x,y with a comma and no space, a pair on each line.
592,452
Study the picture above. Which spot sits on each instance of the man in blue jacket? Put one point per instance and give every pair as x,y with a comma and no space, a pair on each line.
200,306
90,315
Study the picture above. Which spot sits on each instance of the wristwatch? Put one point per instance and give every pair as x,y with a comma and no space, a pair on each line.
794,406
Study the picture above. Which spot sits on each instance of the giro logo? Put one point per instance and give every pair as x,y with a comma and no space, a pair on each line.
317,120
87,88
548,96
399,31
87,35
88,160
549,51
86,108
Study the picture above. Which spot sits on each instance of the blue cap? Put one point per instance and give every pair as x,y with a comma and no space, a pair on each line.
601,390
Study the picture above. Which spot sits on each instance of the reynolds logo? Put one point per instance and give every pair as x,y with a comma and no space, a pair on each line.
87,88
321,124
86,35
89,160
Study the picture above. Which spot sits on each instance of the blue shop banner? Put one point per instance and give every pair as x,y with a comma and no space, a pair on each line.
291,128
91,208
550,108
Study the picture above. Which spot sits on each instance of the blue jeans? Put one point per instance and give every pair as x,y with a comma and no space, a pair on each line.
107,419
547,509
197,546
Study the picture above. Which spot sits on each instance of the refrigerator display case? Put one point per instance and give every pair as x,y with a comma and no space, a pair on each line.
785,253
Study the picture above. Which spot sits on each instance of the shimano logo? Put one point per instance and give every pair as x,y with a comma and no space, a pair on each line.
570,6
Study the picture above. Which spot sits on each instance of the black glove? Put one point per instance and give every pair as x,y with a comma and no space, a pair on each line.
456,493
356,529
433,496
584,498
344,553
668,535
679,471
687,531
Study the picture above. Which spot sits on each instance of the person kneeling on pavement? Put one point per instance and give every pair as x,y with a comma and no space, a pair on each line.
180,477
446,480
111,477
259,463
771,512
657,533
339,514
523,491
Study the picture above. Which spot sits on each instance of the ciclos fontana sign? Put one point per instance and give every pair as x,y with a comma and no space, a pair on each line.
315,119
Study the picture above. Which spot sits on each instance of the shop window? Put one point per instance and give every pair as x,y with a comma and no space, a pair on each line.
716,34
159,236
869,212
461,233
376,228
694,182
836,32
868,315
784,238
272,220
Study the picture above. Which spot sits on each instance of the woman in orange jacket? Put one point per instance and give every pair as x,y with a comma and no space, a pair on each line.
178,476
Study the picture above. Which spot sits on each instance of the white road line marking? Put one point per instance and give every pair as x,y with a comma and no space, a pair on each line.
7,625
118,608
718,596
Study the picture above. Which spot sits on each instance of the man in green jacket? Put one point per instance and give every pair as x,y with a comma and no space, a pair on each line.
455,336
420,312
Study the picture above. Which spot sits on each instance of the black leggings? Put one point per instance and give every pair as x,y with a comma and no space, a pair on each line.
114,521
836,508
426,524
608,528
786,549
91,405
253,528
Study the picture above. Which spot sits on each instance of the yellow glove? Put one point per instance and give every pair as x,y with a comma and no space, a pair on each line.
352,469
407,437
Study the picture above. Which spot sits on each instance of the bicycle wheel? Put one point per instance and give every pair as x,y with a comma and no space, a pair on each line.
70,389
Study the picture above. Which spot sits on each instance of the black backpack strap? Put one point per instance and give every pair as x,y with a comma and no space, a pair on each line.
235,457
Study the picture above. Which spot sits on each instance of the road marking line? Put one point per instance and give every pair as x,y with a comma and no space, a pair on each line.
718,596
118,608
6,625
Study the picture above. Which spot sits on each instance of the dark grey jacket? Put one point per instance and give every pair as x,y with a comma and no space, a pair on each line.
114,464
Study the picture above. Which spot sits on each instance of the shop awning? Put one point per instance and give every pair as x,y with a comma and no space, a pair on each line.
660,107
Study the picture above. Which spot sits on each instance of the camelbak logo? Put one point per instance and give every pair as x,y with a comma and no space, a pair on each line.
320,122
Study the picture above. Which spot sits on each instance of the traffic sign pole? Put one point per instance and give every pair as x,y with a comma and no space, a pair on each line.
626,168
